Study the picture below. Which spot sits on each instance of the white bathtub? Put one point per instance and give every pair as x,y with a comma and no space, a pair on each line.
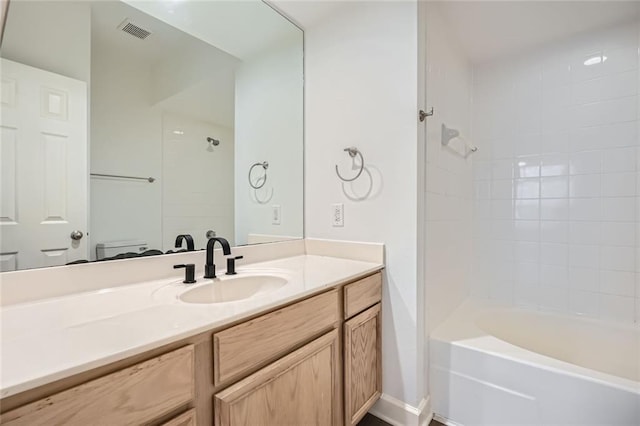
492,365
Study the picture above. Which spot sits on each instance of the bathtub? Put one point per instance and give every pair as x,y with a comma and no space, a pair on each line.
494,365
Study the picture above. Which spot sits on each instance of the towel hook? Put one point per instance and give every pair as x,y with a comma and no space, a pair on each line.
353,151
265,166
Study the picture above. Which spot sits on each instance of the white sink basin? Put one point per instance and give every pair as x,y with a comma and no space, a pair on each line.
233,289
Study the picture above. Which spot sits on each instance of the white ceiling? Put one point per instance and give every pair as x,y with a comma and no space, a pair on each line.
240,28
486,29
308,12
209,93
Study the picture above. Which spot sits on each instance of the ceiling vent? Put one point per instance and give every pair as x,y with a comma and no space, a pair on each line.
134,30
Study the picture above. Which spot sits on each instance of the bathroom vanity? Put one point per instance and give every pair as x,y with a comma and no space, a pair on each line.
309,353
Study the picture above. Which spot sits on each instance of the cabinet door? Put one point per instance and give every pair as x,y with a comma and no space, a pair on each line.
302,388
362,363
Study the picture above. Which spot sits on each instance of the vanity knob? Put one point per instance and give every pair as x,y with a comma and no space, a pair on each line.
76,235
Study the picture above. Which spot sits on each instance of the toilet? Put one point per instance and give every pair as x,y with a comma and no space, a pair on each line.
112,248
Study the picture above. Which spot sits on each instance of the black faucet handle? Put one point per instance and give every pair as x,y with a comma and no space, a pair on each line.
189,272
231,265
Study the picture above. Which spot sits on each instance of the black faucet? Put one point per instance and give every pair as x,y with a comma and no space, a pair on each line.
188,238
210,267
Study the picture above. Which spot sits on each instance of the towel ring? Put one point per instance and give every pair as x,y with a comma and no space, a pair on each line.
353,151
265,166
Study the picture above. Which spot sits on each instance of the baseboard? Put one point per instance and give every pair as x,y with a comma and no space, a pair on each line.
399,413
445,421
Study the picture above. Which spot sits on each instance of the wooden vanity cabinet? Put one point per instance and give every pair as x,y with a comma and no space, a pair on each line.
315,361
300,388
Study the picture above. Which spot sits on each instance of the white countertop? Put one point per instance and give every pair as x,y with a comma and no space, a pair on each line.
54,338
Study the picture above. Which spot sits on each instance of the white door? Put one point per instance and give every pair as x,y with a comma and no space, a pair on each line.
43,168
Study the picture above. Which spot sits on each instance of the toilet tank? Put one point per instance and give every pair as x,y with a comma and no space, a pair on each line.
112,248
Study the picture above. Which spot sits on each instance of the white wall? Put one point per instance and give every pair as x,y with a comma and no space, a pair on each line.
556,210
269,127
361,89
126,139
449,198
51,35
197,180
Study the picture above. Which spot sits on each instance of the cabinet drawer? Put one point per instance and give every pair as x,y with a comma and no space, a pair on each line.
185,419
134,395
253,343
360,295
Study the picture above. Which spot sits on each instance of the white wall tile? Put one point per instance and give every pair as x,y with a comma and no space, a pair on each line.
584,186
527,188
584,256
554,254
554,209
554,298
527,230
585,162
527,209
481,170
619,233
502,189
562,211
586,279
584,303
527,143
502,169
619,184
554,165
617,308
618,209
585,209
527,272
557,142
554,231
527,167
620,60
619,283
526,295
502,209
527,251
553,275
618,258
585,232
554,187
619,160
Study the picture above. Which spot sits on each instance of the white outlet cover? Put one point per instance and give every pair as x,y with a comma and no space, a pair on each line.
275,214
337,214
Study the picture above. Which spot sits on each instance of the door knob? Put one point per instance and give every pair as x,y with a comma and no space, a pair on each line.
77,235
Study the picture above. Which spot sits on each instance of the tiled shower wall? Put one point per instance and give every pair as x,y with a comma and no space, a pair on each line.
449,195
556,178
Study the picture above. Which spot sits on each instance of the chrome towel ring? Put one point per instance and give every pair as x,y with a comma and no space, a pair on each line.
263,179
353,151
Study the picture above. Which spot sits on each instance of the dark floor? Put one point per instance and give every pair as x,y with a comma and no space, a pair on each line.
370,420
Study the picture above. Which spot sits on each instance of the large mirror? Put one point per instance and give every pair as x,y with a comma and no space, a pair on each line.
128,123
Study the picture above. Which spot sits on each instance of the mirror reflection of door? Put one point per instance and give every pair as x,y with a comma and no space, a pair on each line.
43,161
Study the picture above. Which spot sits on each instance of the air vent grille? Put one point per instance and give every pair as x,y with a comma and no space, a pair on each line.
134,30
